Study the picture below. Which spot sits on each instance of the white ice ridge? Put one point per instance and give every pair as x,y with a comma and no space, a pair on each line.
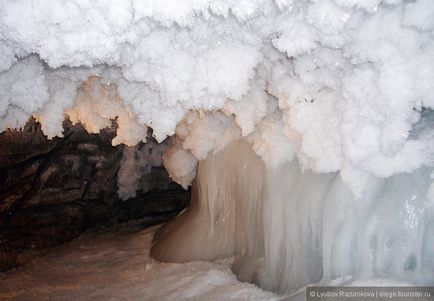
337,84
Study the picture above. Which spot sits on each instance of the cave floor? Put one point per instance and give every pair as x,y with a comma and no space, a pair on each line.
114,264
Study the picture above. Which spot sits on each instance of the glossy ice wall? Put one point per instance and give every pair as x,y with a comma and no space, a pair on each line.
288,228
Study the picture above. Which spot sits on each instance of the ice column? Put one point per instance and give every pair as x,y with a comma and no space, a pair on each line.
288,228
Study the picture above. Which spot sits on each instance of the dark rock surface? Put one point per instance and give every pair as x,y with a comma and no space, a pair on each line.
53,190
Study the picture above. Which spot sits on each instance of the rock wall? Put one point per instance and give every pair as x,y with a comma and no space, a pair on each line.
53,190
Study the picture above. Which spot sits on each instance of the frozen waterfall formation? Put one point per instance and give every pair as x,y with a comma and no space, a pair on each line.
289,228
312,121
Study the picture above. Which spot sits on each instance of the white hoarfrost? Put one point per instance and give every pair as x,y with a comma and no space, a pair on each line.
350,77
338,86
137,161
96,105
23,91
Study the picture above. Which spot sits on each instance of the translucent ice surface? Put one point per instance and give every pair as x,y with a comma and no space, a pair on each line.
289,228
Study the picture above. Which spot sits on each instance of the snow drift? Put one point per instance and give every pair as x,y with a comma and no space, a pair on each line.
337,94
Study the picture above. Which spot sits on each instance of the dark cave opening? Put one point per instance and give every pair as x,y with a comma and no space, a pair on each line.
51,191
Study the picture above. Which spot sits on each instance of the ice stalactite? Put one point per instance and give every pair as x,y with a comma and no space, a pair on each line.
316,231
136,161
226,189
129,174
289,228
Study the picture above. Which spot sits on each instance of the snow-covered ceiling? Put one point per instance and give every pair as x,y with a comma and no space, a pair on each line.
338,84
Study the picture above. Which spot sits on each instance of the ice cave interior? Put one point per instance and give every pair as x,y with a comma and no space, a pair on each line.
285,143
